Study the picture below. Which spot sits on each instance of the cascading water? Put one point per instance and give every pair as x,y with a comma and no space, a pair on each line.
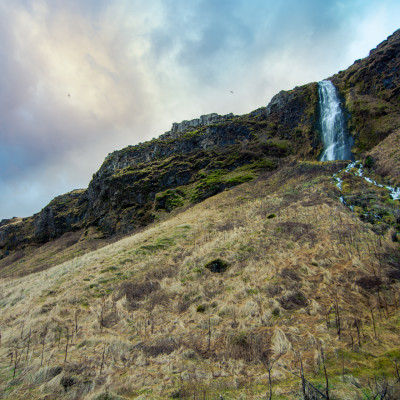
337,142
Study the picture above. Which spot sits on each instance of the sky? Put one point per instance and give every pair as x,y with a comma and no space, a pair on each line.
82,78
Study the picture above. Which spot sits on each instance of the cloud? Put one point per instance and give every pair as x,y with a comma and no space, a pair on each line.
81,79
69,90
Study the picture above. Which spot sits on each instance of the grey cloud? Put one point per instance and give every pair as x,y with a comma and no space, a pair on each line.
213,38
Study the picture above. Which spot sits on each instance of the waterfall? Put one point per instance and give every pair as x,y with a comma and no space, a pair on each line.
337,142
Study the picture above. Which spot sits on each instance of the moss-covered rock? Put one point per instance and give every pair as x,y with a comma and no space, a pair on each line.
371,89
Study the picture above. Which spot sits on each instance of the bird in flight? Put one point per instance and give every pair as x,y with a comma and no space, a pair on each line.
232,91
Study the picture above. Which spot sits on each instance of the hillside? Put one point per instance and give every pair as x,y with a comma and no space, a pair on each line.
155,315
199,158
220,259
136,185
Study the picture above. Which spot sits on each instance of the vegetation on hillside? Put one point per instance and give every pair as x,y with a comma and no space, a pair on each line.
251,270
235,292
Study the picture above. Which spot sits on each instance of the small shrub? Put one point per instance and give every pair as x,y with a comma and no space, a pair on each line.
294,300
201,308
217,266
68,381
370,283
369,162
276,312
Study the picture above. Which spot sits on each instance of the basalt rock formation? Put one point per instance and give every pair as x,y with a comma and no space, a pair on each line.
199,158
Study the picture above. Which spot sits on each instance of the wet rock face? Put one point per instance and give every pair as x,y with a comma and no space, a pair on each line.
287,109
293,115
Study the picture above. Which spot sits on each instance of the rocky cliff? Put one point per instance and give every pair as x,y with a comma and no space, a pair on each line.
204,120
371,90
199,158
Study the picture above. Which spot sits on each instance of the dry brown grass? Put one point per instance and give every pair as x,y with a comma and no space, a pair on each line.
39,258
144,317
387,157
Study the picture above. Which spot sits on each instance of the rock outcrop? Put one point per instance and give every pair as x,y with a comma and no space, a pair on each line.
371,90
184,126
63,214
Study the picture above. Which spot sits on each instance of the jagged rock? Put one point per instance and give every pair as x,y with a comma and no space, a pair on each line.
279,101
184,126
63,214
371,90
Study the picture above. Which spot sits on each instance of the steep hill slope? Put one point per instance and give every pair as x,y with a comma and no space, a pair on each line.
274,273
136,185
248,265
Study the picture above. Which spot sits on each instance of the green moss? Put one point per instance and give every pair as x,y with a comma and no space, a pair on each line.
201,308
170,199
239,179
191,134
279,147
372,118
369,162
159,244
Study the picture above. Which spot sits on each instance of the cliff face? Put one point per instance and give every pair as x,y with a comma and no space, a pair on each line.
293,115
63,214
371,89
199,158
184,126
122,193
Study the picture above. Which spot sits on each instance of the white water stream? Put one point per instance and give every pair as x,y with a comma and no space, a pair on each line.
356,168
337,142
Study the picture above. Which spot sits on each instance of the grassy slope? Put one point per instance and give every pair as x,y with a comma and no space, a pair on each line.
145,319
38,258
387,158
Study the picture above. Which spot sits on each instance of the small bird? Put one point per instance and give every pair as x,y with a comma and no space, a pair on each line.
69,95
232,91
